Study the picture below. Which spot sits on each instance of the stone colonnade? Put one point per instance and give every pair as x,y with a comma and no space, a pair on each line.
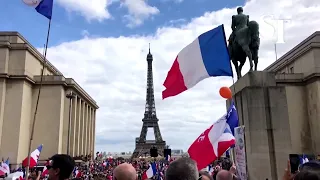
83,121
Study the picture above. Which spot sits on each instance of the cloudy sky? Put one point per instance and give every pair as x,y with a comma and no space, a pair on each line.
103,44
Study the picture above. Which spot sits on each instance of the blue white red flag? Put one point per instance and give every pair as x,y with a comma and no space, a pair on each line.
207,56
4,168
43,7
34,157
75,172
214,141
149,173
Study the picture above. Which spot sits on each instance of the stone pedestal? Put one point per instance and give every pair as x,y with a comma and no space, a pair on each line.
262,109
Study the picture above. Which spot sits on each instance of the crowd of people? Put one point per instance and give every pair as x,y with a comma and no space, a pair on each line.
61,166
186,169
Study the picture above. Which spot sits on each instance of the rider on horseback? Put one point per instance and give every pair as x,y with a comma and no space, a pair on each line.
239,21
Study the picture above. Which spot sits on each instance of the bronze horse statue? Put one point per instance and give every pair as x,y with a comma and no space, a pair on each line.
245,44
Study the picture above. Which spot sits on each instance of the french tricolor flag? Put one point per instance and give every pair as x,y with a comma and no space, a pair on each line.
4,168
150,172
43,7
34,157
76,172
205,57
214,141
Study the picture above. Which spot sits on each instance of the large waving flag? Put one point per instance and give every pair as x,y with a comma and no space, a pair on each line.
34,157
214,141
206,56
43,7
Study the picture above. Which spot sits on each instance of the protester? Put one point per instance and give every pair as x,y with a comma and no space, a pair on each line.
307,175
205,175
182,169
124,171
310,166
60,167
224,175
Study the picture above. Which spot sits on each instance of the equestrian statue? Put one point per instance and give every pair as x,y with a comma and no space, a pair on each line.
244,41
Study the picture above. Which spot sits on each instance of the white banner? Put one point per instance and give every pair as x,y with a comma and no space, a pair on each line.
240,153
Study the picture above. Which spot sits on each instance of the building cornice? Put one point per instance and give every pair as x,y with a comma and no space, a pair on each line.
26,46
306,45
15,41
68,83
297,79
18,77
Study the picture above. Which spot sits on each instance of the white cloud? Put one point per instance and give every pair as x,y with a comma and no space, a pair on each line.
113,71
138,11
90,9
176,22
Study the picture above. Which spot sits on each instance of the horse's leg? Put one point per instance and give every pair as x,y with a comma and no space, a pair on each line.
255,59
255,64
247,50
241,65
236,66
230,51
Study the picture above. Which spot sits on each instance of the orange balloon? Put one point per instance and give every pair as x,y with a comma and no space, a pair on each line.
225,92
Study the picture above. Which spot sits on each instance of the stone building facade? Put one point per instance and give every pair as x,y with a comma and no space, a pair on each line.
20,69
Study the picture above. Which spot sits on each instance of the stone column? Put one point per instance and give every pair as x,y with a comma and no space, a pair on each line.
5,56
85,145
313,106
89,130
81,135
73,126
77,135
94,130
3,89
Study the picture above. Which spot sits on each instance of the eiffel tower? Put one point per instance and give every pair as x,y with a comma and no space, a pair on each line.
149,120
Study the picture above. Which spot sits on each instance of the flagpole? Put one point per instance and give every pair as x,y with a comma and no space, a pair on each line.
38,98
275,50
